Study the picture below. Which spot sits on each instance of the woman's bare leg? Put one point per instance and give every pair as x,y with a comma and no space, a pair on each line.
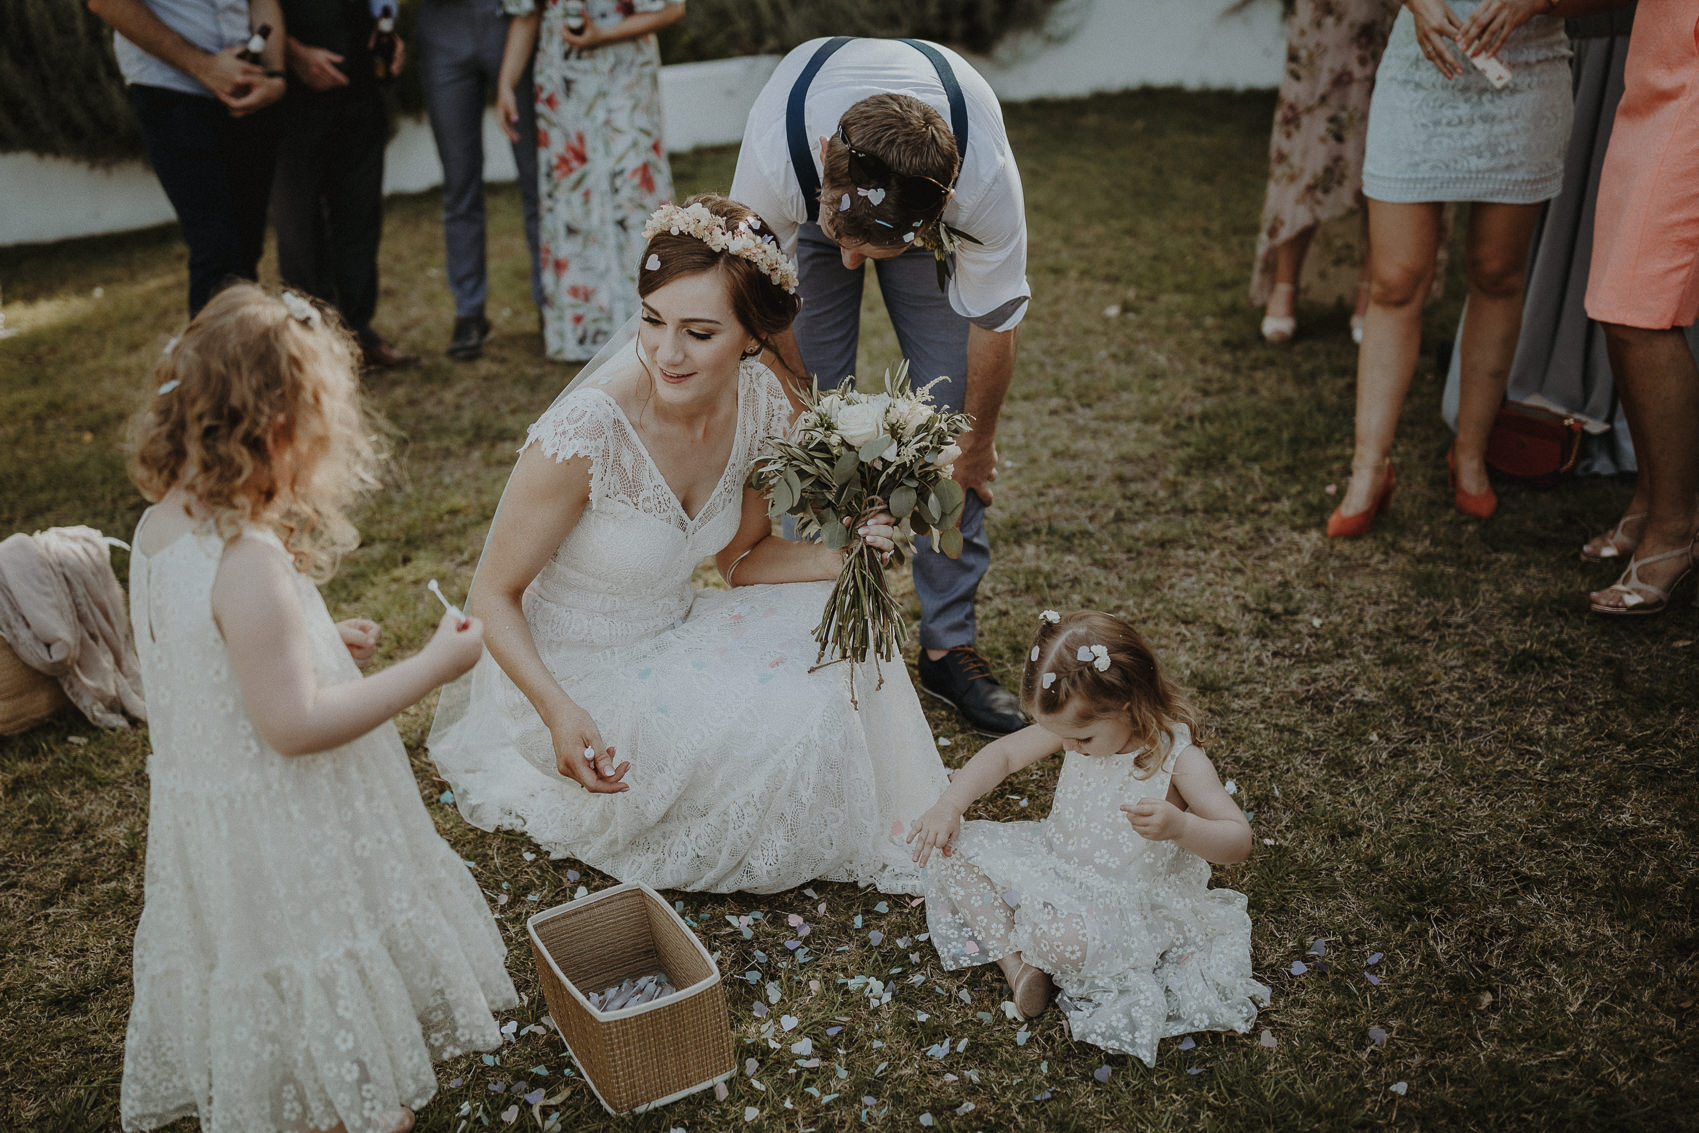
1403,245
1497,263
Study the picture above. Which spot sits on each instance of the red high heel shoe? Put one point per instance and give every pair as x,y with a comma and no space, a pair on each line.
1475,505
1342,526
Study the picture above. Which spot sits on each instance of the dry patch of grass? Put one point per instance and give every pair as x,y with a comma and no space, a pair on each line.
1447,761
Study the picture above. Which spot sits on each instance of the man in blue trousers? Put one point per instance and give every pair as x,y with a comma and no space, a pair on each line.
920,183
460,45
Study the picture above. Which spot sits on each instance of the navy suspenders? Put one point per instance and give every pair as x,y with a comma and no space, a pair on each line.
796,132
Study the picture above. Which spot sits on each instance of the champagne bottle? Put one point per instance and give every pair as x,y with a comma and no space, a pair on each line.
384,44
256,46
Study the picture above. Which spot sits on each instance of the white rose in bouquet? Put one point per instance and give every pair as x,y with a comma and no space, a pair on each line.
914,415
946,458
860,422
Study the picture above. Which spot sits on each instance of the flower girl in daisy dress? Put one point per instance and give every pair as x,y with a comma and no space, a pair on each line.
308,946
1109,896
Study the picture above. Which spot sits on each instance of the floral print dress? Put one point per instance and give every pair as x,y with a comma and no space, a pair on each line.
1315,154
601,171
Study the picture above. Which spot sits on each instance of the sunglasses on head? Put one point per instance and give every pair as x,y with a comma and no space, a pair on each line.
915,193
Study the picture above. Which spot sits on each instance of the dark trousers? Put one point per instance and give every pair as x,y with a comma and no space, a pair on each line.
459,43
327,197
216,171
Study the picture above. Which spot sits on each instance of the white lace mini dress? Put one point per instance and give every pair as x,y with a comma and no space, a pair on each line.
749,771
1139,944
1436,139
309,945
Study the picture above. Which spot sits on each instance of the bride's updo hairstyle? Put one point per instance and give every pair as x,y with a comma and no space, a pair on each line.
1096,665
762,306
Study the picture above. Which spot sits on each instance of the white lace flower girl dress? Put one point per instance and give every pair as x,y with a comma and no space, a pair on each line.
748,771
309,944
1139,944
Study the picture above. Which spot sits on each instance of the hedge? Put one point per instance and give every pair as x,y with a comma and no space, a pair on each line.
61,93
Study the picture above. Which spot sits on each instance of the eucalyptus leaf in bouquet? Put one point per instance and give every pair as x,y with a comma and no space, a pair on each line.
851,454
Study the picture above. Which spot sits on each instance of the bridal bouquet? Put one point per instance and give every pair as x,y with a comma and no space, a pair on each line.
852,454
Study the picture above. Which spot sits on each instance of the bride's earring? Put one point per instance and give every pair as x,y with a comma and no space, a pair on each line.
752,352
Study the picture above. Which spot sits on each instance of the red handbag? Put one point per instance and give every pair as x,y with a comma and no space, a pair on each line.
1533,444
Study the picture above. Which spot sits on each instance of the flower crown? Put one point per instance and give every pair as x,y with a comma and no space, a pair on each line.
696,220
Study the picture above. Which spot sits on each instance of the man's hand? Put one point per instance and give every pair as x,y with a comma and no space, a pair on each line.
263,94
976,467
228,77
315,66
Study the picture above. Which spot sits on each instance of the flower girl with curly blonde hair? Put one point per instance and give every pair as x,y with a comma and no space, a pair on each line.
308,946
1109,895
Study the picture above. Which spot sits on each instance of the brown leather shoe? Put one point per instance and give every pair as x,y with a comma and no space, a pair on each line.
378,354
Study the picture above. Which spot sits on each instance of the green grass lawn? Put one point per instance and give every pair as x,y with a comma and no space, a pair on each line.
1448,762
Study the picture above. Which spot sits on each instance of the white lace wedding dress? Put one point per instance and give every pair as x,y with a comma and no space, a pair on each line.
1139,944
309,945
748,771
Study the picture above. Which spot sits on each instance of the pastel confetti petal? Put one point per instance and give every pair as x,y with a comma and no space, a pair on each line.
510,1114
1372,978
926,1120
1101,1074
1400,1088
1319,948
1267,1038
971,948
844,203
750,1113
1299,967
897,828
1377,1035
1188,1043
1376,958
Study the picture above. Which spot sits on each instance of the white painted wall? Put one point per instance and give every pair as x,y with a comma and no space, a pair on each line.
1088,46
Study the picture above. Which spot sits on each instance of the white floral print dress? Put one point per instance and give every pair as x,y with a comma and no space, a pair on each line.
309,945
601,170
1139,944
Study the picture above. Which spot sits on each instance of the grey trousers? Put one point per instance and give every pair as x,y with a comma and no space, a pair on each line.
933,337
460,45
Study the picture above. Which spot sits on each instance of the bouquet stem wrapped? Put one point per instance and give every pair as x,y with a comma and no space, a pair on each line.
851,455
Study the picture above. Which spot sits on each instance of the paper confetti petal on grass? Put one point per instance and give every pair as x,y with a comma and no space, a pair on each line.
1399,1088
1267,1038
534,1097
1299,967
1319,948
1372,978
750,1113
1101,1074
788,1022
1376,958
1188,1043
876,937
803,1046
1377,1035
926,1120
510,1114
1194,1070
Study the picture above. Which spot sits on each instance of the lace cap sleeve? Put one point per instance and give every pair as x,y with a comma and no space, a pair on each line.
770,410
583,425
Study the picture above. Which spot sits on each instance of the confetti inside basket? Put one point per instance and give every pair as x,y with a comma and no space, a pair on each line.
634,1058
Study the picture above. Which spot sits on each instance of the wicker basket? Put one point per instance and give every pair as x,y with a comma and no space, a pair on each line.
26,696
638,1057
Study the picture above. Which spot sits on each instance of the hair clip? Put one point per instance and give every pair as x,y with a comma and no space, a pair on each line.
1050,616
1098,656
1047,680
301,310
168,386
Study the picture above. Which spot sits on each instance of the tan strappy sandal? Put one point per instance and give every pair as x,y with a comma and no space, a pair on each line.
1640,597
1618,542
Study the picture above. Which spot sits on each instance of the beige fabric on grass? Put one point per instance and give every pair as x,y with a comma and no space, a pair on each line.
63,613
